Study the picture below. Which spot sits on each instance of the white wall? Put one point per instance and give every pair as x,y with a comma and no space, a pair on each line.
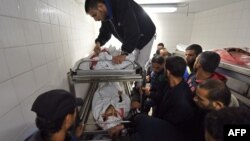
39,41
172,29
227,26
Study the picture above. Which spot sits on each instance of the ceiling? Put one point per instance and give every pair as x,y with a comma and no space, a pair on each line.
194,5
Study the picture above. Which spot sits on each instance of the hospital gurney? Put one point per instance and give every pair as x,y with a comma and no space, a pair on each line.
124,76
83,76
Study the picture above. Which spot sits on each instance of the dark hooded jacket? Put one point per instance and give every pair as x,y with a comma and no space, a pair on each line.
129,23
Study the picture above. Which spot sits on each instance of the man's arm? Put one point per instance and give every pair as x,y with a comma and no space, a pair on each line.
131,29
130,25
104,35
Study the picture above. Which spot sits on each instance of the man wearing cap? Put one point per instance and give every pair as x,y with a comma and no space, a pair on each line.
56,114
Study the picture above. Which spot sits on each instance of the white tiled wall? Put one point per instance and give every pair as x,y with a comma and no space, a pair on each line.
227,26
39,41
172,29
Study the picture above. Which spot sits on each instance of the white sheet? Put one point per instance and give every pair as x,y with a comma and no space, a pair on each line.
104,64
107,94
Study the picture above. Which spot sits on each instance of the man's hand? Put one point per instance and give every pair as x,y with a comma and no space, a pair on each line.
97,48
146,90
135,105
79,130
118,59
115,131
147,78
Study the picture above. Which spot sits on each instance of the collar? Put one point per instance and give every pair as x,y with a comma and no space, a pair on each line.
213,76
160,72
109,8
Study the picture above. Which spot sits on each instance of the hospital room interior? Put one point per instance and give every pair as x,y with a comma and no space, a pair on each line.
49,45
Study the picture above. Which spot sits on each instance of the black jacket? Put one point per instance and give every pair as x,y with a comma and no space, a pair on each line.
178,108
36,136
129,23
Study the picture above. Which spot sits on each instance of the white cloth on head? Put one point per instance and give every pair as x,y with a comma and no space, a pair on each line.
106,95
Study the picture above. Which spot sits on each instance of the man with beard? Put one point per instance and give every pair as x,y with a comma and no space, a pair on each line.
204,68
174,113
160,52
211,95
56,114
158,82
191,53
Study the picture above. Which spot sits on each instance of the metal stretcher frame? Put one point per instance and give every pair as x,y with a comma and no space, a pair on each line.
239,73
235,71
83,76
94,77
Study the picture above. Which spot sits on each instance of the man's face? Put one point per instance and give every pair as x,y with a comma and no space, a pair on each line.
201,99
190,57
160,46
196,63
157,67
167,75
70,120
99,13
163,53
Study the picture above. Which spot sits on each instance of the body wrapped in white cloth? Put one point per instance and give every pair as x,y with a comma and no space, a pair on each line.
103,61
110,104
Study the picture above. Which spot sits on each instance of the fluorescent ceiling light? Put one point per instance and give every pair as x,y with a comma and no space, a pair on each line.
160,9
158,1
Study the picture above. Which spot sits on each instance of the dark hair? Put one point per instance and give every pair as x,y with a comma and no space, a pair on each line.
160,44
209,61
215,121
159,50
197,48
158,59
217,90
176,65
91,4
47,127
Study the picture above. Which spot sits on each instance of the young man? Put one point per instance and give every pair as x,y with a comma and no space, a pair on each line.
160,45
216,121
160,52
176,106
158,82
204,68
174,111
211,95
191,53
128,22
56,114
163,52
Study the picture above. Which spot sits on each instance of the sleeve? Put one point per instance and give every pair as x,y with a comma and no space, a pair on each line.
157,94
130,24
135,96
154,95
104,35
178,111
